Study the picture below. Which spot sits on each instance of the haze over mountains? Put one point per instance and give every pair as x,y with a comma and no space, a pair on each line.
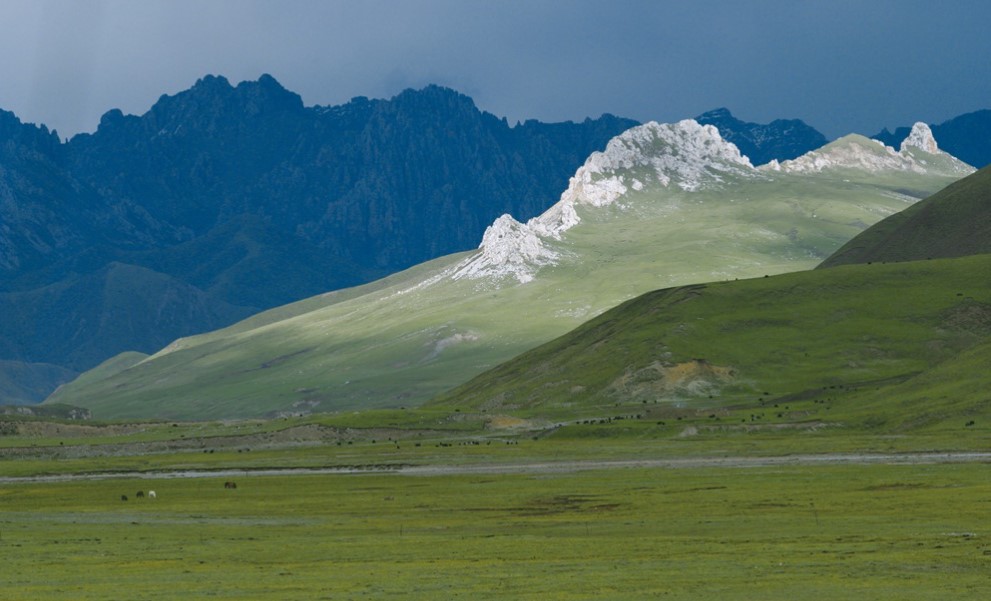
663,205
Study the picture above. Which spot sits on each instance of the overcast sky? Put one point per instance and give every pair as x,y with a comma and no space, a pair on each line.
842,66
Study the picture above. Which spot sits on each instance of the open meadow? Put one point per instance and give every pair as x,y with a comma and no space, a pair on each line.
796,530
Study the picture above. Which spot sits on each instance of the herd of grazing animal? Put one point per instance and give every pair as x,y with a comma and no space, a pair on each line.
140,495
151,494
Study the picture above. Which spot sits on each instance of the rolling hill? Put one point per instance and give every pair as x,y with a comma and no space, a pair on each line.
876,339
664,205
954,222
889,337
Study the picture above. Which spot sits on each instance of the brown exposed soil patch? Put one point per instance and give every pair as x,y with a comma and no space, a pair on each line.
969,316
697,377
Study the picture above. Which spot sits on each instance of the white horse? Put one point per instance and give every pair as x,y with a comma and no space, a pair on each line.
151,494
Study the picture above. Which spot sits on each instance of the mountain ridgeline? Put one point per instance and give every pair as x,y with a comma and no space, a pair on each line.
379,184
897,333
224,200
967,137
662,205
781,139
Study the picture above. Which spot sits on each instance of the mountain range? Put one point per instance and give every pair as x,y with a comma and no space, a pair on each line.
224,200
781,139
662,205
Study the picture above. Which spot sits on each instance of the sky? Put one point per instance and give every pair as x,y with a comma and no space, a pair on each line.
842,66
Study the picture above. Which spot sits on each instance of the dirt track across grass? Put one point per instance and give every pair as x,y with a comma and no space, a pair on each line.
540,467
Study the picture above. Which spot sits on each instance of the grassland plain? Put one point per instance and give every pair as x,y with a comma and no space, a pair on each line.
907,532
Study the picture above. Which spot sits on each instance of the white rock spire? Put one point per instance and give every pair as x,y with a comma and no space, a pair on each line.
920,137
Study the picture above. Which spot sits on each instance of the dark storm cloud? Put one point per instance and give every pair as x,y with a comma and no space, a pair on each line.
842,65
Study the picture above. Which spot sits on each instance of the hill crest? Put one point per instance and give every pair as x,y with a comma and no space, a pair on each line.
684,154
918,153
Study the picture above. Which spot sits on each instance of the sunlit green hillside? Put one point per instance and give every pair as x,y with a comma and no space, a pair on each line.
683,207
904,343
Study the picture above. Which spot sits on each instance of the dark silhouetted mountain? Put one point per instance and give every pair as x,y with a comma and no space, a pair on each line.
72,322
238,198
967,137
781,139
47,216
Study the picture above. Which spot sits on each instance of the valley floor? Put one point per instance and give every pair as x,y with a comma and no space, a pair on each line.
618,510
771,530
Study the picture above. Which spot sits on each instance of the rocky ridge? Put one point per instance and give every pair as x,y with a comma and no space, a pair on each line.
967,137
861,153
686,155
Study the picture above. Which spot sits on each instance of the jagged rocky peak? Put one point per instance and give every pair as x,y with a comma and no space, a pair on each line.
920,137
781,139
508,248
686,154
34,136
434,99
212,97
719,114
683,155
865,154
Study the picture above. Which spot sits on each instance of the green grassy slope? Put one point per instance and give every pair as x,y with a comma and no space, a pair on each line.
406,339
784,533
954,392
858,331
954,222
